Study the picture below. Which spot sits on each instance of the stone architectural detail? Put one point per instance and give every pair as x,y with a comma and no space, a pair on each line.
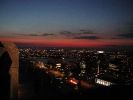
14,54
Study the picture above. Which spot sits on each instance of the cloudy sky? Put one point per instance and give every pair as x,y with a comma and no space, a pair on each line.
67,23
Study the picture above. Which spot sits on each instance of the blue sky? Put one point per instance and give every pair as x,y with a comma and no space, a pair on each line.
54,16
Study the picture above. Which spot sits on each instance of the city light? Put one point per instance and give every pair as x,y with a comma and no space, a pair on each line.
58,65
73,82
100,51
103,82
78,70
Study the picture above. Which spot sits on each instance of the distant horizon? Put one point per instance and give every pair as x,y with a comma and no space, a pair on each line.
95,47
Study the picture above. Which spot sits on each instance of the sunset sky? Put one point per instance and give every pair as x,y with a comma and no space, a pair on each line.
67,23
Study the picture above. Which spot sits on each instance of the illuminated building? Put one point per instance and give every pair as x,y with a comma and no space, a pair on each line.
83,68
40,64
113,67
102,62
100,52
103,82
58,65
91,69
82,65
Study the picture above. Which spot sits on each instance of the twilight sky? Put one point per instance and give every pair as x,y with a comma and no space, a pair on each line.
67,23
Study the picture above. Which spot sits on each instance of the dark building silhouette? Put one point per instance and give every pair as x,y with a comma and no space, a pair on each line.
5,63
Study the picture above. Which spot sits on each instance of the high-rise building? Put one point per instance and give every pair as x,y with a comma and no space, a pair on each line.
83,68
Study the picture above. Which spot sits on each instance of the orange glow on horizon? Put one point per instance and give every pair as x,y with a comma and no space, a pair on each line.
38,41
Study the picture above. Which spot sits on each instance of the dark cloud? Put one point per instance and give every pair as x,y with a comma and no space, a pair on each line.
126,35
27,34
115,38
66,33
82,31
47,34
19,34
127,31
33,34
88,37
44,34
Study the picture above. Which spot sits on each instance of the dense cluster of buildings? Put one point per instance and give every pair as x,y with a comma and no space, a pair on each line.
80,68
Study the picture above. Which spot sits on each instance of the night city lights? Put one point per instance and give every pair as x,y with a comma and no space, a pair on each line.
66,48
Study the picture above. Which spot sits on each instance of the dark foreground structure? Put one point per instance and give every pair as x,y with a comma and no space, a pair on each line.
9,56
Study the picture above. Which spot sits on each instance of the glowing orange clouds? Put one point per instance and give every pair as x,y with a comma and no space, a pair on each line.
64,42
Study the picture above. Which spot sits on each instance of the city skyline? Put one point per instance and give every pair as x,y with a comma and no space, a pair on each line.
67,23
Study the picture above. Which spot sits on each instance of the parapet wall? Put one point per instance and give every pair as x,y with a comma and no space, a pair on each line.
14,55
